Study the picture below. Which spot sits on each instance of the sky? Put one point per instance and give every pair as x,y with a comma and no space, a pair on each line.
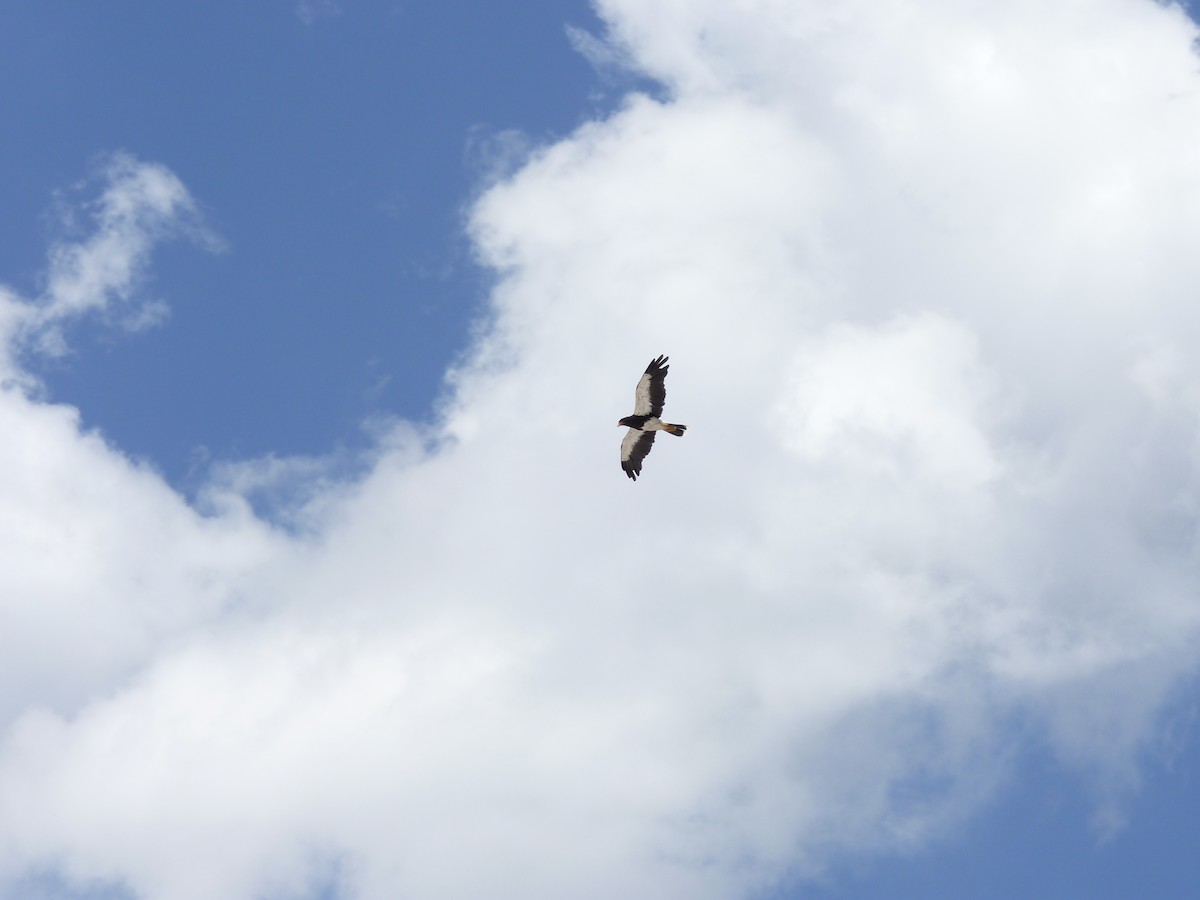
322,580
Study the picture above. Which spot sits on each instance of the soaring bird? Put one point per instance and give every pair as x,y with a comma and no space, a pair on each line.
648,402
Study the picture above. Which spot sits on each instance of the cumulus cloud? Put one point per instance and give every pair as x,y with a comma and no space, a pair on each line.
923,272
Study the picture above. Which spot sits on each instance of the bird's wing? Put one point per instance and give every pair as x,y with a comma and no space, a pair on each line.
651,390
634,449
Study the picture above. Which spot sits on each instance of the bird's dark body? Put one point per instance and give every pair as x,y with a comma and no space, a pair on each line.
637,422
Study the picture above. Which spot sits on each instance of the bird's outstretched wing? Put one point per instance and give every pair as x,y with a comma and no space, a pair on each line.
651,390
634,449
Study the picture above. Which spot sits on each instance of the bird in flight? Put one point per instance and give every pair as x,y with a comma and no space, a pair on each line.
648,402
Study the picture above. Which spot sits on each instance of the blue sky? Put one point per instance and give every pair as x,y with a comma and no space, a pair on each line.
363,133
1035,840
324,580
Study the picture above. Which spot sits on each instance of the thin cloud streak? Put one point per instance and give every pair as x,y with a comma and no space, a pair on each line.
309,12
141,205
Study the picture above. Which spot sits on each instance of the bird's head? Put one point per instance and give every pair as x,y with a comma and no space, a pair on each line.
625,422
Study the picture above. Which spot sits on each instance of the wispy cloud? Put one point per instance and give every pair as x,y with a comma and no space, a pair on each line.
102,269
606,57
927,289
312,11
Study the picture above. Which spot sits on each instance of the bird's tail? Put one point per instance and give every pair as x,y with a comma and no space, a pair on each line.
676,430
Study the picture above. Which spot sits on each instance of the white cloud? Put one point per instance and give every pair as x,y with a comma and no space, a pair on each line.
903,399
925,280
607,58
141,205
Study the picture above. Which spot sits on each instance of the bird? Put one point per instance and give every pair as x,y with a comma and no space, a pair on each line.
648,401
